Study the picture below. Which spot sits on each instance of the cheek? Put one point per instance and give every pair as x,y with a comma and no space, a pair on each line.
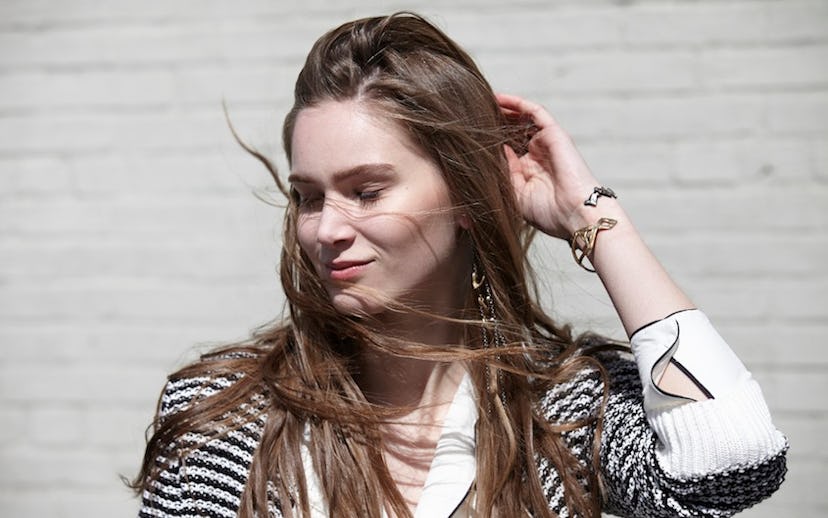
428,238
306,234
392,231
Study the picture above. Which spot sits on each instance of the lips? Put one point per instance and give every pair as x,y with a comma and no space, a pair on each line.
345,270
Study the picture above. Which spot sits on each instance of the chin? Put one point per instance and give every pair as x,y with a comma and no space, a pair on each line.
356,306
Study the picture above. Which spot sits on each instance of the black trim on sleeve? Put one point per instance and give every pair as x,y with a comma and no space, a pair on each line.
674,313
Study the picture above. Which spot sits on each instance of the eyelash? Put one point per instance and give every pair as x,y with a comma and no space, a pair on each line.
303,201
366,198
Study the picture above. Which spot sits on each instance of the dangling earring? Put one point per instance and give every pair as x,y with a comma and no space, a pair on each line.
485,303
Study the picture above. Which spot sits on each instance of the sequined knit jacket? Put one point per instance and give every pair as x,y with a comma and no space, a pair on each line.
660,455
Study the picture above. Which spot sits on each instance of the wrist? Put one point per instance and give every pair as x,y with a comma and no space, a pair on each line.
585,215
583,240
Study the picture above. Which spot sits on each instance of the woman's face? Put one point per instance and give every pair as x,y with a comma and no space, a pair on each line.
374,212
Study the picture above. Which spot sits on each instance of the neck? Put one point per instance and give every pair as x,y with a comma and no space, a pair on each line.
418,391
418,384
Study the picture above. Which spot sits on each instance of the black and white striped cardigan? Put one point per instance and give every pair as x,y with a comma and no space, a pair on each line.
644,459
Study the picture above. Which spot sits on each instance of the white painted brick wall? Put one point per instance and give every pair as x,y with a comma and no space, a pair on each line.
130,236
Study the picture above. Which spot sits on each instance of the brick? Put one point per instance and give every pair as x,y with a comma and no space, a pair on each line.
793,299
794,390
52,425
175,262
76,468
59,502
772,509
801,490
820,152
630,164
100,173
256,83
68,88
46,11
140,303
719,292
729,210
34,176
77,383
107,131
718,162
150,344
798,21
207,41
689,115
28,217
745,256
582,73
776,343
766,67
800,299
36,12
736,161
116,426
58,343
13,427
184,220
798,113
510,31
176,173
74,46
693,24
805,444
25,134
786,161
658,117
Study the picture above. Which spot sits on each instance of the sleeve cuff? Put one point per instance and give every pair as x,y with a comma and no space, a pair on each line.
716,435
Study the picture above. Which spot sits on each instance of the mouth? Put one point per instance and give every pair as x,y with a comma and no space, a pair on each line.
345,270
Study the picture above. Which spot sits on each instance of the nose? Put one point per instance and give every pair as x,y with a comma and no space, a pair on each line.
335,227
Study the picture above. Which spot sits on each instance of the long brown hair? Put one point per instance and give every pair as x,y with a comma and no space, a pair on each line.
299,372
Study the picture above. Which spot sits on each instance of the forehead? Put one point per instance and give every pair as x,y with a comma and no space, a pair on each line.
336,135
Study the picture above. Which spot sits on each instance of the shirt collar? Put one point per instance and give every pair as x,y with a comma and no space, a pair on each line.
454,466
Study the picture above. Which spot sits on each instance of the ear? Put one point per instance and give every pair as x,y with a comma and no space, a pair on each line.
464,221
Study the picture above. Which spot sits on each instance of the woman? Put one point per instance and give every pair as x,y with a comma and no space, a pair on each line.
415,373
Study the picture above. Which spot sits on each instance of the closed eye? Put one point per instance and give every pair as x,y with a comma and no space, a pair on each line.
368,197
308,200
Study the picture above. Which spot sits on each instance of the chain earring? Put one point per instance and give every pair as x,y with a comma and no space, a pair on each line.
490,330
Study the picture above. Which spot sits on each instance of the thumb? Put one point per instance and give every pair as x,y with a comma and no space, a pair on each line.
515,165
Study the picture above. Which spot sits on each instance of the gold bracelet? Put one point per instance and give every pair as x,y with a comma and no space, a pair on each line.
587,235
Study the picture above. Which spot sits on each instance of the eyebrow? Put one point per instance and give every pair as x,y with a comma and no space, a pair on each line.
345,174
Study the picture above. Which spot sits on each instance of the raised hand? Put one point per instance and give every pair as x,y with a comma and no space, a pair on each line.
551,180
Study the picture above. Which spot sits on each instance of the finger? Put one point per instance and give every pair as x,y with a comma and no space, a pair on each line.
536,112
516,117
512,159
516,172
509,107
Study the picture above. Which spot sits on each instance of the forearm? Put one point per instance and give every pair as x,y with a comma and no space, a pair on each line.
637,283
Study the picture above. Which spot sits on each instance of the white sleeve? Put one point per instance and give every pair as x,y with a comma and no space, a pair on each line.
687,340
733,427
